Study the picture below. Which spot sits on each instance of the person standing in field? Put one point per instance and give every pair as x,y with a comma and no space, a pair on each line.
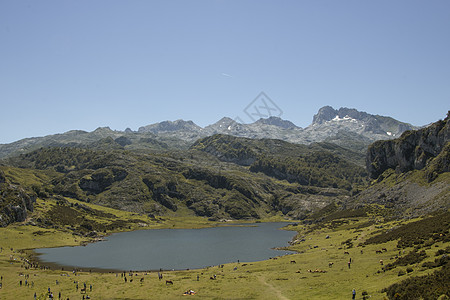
353,294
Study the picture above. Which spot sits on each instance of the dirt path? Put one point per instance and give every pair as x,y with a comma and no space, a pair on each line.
274,290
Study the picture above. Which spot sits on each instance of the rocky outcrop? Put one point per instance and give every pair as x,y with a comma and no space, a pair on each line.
164,193
413,150
15,203
123,141
101,179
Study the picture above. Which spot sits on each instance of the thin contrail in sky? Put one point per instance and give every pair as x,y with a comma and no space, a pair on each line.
226,75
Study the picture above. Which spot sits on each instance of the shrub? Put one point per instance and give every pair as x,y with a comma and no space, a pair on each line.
409,259
432,229
438,262
443,251
429,287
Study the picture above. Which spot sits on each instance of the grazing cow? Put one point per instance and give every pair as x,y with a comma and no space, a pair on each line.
378,252
330,264
169,282
381,262
384,249
293,262
83,290
346,252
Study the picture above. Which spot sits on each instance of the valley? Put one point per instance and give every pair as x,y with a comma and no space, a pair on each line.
307,273
376,222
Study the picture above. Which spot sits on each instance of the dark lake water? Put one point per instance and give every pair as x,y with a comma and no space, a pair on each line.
175,248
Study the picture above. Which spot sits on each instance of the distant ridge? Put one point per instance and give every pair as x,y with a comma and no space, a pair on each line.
276,121
169,126
346,127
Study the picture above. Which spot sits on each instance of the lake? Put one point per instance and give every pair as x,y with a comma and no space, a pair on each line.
177,249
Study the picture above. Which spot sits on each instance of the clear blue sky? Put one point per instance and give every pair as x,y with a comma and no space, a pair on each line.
83,64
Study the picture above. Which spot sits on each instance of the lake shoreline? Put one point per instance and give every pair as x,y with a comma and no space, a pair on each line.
36,257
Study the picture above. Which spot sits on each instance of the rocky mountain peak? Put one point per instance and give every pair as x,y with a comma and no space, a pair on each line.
170,126
350,119
276,121
326,113
225,121
103,129
225,125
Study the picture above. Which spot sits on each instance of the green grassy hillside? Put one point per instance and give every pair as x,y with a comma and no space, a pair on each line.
415,266
321,164
171,183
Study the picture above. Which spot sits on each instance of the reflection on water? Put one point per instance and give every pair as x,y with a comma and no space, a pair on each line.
175,248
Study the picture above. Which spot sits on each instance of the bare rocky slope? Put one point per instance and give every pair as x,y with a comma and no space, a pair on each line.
412,151
15,203
411,173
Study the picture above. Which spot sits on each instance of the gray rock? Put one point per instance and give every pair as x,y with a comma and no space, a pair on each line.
411,151
15,204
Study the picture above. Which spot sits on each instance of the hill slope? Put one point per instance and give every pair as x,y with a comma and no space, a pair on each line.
196,182
411,172
313,165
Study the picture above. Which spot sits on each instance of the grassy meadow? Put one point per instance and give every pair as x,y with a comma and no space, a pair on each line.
304,275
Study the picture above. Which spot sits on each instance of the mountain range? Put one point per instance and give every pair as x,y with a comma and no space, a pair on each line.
232,170
361,178
346,127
